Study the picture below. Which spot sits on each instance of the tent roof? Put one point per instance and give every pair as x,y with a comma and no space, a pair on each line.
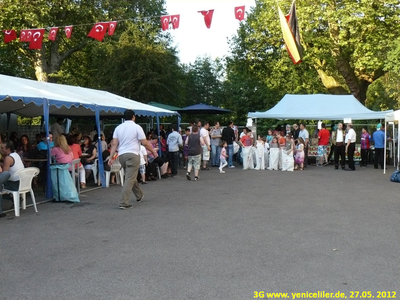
319,107
26,97
204,109
165,106
393,116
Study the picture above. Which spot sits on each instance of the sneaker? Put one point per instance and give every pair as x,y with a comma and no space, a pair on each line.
188,176
3,215
231,167
222,172
196,178
140,199
124,206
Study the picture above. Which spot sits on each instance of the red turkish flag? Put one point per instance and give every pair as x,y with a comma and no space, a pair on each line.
239,12
53,33
207,16
68,31
22,35
112,27
36,39
165,22
99,30
9,35
175,21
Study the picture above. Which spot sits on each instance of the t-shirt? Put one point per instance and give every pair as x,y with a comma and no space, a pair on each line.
206,136
246,141
214,132
129,135
379,139
324,136
351,135
61,157
174,140
142,153
304,134
223,153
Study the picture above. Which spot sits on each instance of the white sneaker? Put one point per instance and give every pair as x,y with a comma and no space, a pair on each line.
222,172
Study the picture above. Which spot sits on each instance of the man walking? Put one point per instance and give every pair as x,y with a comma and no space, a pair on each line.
228,135
206,147
350,146
174,140
339,147
127,138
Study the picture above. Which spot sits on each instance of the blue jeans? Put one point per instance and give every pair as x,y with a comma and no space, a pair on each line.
230,154
4,176
215,153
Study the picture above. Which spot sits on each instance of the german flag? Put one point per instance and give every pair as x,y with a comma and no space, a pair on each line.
291,33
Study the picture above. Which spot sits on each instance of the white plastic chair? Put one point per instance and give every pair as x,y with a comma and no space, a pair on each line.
117,169
94,170
25,177
75,173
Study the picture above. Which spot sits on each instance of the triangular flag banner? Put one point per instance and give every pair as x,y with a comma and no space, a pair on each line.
112,27
239,12
53,33
291,34
175,21
68,31
36,39
208,14
164,22
9,35
98,31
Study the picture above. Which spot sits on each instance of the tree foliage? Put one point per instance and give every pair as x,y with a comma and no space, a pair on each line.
345,42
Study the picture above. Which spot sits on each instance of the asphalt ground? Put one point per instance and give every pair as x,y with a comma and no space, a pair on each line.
223,237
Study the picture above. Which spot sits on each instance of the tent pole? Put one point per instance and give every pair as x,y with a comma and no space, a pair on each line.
179,123
49,186
393,147
99,147
384,152
158,134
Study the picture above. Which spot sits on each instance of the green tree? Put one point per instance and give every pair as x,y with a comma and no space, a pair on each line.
20,14
345,42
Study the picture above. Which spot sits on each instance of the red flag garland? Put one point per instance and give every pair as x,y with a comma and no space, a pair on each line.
99,30
208,14
53,33
36,39
175,21
68,31
112,27
165,22
239,12
9,35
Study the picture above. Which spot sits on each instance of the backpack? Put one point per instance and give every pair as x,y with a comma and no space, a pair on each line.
395,176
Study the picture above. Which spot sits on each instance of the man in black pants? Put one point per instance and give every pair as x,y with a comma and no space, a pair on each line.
339,147
350,146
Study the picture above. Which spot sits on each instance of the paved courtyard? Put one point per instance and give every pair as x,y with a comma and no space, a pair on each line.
223,237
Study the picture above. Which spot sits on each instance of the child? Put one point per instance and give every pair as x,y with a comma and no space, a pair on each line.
287,154
266,153
247,151
185,147
143,163
273,155
163,143
269,136
260,153
299,157
222,157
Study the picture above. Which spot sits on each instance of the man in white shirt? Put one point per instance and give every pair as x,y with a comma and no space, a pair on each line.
350,141
127,138
339,147
206,148
174,140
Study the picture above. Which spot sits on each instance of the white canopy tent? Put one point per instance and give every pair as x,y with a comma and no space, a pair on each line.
32,98
319,107
393,118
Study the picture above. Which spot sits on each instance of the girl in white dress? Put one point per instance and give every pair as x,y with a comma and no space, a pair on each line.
266,153
273,155
260,164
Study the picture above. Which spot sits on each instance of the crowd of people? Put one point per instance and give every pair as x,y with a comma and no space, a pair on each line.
197,147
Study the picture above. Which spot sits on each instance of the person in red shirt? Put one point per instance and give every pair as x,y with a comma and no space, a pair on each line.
323,141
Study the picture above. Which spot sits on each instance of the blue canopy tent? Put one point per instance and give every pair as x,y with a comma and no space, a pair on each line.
204,109
32,98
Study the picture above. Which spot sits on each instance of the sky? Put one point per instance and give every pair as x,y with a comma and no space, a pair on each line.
193,38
